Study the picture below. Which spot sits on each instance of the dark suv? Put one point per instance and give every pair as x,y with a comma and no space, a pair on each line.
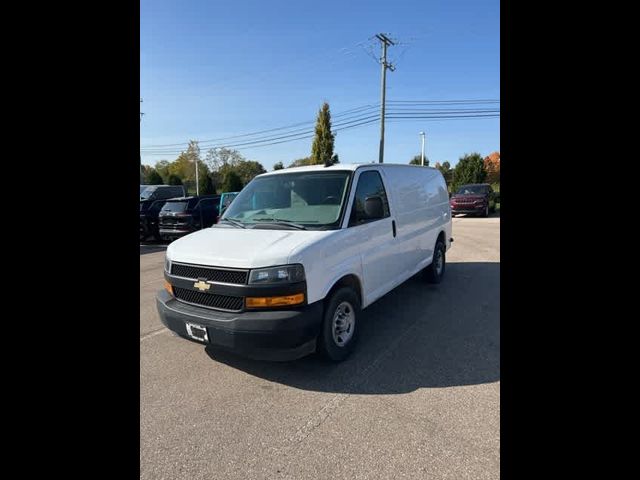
152,198
161,192
477,198
180,216
149,210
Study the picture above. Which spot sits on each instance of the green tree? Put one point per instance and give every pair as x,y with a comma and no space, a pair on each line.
185,167
417,160
470,169
174,180
219,157
162,167
206,185
301,162
322,147
445,170
278,166
247,169
152,177
231,181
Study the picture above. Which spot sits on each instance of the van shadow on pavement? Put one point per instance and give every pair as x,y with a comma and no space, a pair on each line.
417,336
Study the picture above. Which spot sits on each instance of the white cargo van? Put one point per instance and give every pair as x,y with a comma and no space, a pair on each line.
301,252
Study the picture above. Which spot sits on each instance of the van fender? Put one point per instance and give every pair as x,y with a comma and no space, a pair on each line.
352,267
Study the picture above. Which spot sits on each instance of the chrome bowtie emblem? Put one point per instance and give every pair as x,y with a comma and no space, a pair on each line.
202,286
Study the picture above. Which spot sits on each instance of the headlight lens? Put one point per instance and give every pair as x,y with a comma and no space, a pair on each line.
283,274
167,265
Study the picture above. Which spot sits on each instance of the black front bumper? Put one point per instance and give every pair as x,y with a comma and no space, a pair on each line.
270,335
170,233
456,211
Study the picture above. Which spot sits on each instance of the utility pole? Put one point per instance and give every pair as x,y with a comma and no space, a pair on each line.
195,160
386,41
422,135
141,114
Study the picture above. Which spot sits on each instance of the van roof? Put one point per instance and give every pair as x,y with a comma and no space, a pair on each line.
339,166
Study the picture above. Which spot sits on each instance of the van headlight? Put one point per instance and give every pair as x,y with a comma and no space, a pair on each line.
283,274
167,265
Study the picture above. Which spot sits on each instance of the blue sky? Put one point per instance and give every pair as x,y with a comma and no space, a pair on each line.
212,69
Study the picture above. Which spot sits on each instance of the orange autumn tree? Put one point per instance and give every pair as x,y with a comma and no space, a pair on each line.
492,166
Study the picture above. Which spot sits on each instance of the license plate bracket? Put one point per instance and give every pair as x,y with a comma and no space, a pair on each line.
197,332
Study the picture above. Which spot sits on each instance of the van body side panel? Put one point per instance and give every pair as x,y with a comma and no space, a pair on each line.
328,260
417,215
441,202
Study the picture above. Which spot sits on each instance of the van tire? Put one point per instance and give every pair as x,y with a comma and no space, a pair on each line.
345,300
434,273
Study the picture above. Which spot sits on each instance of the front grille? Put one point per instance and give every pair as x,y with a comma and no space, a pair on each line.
210,300
212,274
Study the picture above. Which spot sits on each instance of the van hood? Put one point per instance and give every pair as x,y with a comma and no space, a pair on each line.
240,248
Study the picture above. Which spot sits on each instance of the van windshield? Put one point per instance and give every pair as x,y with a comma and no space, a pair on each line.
312,199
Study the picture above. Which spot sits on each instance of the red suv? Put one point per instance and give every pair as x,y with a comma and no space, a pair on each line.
477,198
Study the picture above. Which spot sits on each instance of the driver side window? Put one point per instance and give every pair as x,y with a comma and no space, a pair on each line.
369,185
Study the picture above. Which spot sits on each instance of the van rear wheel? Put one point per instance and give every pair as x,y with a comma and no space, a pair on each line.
339,326
435,271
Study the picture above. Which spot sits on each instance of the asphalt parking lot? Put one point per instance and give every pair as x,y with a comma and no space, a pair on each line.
419,398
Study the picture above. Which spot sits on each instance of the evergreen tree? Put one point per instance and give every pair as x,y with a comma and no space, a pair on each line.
174,180
322,147
152,177
231,181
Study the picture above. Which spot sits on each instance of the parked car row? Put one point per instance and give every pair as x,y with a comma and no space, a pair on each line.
167,213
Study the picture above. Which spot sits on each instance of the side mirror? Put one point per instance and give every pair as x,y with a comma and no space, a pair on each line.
373,208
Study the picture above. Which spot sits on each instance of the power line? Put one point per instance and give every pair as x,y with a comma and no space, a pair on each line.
407,108
298,132
342,122
373,119
337,127
444,102
346,112
445,118
308,122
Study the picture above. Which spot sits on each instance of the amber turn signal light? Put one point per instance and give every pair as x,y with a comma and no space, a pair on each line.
262,302
168,287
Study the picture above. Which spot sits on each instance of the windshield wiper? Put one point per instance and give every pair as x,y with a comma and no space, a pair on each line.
279,221
233,222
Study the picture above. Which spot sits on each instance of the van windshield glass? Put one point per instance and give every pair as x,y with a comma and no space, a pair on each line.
312,199
472,190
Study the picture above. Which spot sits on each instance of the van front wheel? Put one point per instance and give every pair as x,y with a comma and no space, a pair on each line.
435,271
339,325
